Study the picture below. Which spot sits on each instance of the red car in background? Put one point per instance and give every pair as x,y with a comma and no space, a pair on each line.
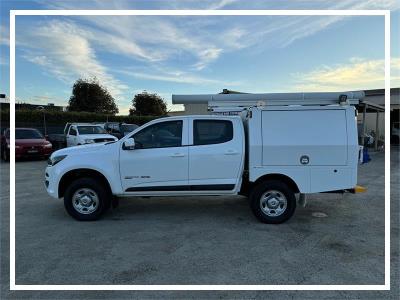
29,142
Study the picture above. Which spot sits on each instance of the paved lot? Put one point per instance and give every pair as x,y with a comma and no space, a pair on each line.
201,240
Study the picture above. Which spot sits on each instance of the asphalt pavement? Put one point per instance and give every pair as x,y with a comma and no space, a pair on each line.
335,239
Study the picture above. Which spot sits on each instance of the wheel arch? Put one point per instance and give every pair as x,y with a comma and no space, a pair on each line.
72,175
280,177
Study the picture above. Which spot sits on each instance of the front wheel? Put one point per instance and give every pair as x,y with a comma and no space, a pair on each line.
86,199
272,202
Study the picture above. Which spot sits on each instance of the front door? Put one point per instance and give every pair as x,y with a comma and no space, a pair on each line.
159,162
72,136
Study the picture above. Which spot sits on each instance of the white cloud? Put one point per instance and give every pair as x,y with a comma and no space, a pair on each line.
177,77
162,38
4,61
206,56
145,4
158,39
63,50
221,4
4,36
356,74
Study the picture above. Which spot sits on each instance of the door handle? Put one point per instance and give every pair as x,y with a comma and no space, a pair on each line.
178,155
231,152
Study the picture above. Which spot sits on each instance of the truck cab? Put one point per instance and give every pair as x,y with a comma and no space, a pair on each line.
189,155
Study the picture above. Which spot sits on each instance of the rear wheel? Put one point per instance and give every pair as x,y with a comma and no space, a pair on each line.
272,202
86,199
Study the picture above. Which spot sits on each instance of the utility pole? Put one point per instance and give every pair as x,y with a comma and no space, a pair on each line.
44,118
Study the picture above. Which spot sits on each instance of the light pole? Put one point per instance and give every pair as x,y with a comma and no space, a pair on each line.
44,118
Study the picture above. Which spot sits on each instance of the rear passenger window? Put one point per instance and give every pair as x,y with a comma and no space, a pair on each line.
207,132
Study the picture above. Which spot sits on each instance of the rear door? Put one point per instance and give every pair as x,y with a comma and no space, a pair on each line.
215,154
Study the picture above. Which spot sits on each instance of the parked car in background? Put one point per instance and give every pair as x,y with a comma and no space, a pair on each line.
127,128
80,134
29,142
395,137
119,130
76,134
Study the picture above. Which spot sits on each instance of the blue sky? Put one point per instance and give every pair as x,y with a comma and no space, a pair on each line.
172,55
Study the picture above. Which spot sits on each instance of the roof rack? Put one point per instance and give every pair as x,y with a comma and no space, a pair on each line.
271,99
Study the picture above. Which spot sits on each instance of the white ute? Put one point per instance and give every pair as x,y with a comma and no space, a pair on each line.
80,134
287,145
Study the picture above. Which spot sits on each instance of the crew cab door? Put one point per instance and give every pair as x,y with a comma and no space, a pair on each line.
159,162
216,154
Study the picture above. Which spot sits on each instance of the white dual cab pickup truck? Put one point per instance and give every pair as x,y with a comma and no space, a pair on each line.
80,134
269,154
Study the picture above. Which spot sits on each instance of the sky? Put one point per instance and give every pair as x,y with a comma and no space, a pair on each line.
196,54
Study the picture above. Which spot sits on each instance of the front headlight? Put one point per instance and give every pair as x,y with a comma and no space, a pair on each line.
47,145
89,141
55,160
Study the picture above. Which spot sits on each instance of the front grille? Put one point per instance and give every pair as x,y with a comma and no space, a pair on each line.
103,140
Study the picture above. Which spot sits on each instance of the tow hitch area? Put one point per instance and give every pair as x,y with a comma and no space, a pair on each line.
358,189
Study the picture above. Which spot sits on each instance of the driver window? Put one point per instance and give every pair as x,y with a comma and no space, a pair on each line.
160,135
72,131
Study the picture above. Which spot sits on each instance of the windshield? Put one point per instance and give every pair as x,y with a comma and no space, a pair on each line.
90,130
24,134
128,127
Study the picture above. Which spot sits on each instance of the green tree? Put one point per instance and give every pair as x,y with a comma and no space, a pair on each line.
90,96
145,104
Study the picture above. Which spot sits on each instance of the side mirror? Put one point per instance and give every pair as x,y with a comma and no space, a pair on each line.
129,144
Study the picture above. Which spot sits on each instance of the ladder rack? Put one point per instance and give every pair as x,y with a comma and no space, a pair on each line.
271,99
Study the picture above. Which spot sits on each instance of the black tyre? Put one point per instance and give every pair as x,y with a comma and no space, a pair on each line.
86,199
272,202
5,155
